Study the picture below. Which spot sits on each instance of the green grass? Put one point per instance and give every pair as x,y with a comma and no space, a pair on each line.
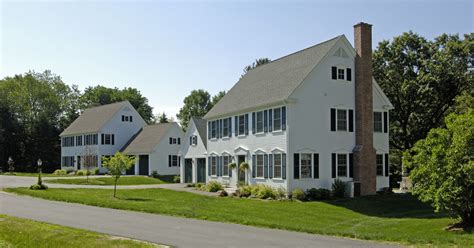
128,180
16,232
29,174
393,218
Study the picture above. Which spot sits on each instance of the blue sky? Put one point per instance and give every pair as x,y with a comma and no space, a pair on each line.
166,49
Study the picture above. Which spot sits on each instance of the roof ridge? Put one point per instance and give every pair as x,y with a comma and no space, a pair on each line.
108,104
299,51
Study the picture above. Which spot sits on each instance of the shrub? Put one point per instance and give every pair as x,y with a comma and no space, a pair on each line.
317,194
281,193
232,166
213,186
176,179
298,194
223,193
154,174
245,191
262,191
96,171
59,172
80,173
68,169
38,187
339,188
190,185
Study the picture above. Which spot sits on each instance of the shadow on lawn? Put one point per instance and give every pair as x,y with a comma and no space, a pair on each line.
389,206
134,199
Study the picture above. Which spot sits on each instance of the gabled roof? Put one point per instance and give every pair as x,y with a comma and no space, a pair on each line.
201,126
148,138
273,82
93,119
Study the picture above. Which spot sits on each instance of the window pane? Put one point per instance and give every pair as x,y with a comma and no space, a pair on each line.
342,165
305,165
213,166
260,122
259,165
340,73
225,128
379,163
378,122
341,120
277,119
277,165
241,125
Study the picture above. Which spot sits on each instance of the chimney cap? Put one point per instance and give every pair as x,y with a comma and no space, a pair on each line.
363,24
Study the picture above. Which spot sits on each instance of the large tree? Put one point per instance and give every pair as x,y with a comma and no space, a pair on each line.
33,108
421,78
257,63
100,95
196,104
443,167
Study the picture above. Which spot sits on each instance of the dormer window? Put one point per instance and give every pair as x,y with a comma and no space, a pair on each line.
341,73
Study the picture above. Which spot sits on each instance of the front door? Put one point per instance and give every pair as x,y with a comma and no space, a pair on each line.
241,178
78,162
201,170
188,170
143,165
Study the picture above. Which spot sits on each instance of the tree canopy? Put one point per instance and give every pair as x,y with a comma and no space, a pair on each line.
118,164
197,104
257,63
443,167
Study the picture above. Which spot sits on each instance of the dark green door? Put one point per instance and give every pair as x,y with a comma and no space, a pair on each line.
143,165
201,170
188,170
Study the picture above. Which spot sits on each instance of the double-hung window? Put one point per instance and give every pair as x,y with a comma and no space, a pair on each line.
241,123
277,119
342,165
341,120
378,123
225,165
214,166
379,163
306,165
225,127
340,74
213,129
277,165
79,140
259,122
260,165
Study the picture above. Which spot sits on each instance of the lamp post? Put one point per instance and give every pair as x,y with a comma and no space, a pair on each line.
39,165
10,165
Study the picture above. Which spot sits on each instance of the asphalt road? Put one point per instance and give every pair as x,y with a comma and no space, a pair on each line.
174,231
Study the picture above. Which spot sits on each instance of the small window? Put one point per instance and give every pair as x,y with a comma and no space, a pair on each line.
259,122
174,160
260,165
213,166
225,127
277,119
195,140
379,163
306,165
378,123
340,74
342,165
241,124
276,165
341,120
225,165
213,129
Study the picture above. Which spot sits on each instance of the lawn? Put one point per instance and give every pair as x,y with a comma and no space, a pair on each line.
35,174
393,218
128,180
16,232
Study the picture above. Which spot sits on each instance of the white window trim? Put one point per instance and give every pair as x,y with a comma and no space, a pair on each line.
229,162
383,164
381,121
215,159
312,166
238,126
347,165
343,73
263,122
347,119
281,120
263,165
281,165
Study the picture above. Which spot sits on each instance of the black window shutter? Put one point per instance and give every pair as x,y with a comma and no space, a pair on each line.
208,130
386,164
218,128
246,124
270,118
283,118
102,139
169,160
265,121
334,72
333,119
385,122
236,128
265,166
131,120
333,165
351,120
254,167
254,122
179,141
316,165
123,118
171,140
296,166
230,126
113,139
219,166
349,74
283,166
270,166
208,166
351,164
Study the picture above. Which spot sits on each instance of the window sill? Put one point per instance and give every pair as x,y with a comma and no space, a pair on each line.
278,131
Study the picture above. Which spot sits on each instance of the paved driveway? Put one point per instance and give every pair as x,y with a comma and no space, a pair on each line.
174,231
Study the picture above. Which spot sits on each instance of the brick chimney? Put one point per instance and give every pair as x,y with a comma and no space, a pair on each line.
364,152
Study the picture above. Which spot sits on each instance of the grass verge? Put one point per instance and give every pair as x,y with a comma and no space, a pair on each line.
34,174
17,232
127,180
393,218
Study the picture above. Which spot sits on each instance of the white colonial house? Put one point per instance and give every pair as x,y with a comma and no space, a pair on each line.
156,147
303,120
193,152
99,131
104,130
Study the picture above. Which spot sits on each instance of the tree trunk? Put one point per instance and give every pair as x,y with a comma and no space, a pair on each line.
115,187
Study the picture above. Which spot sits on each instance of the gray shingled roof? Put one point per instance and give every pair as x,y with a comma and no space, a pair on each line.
201,126
271,83
148,138
92,119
